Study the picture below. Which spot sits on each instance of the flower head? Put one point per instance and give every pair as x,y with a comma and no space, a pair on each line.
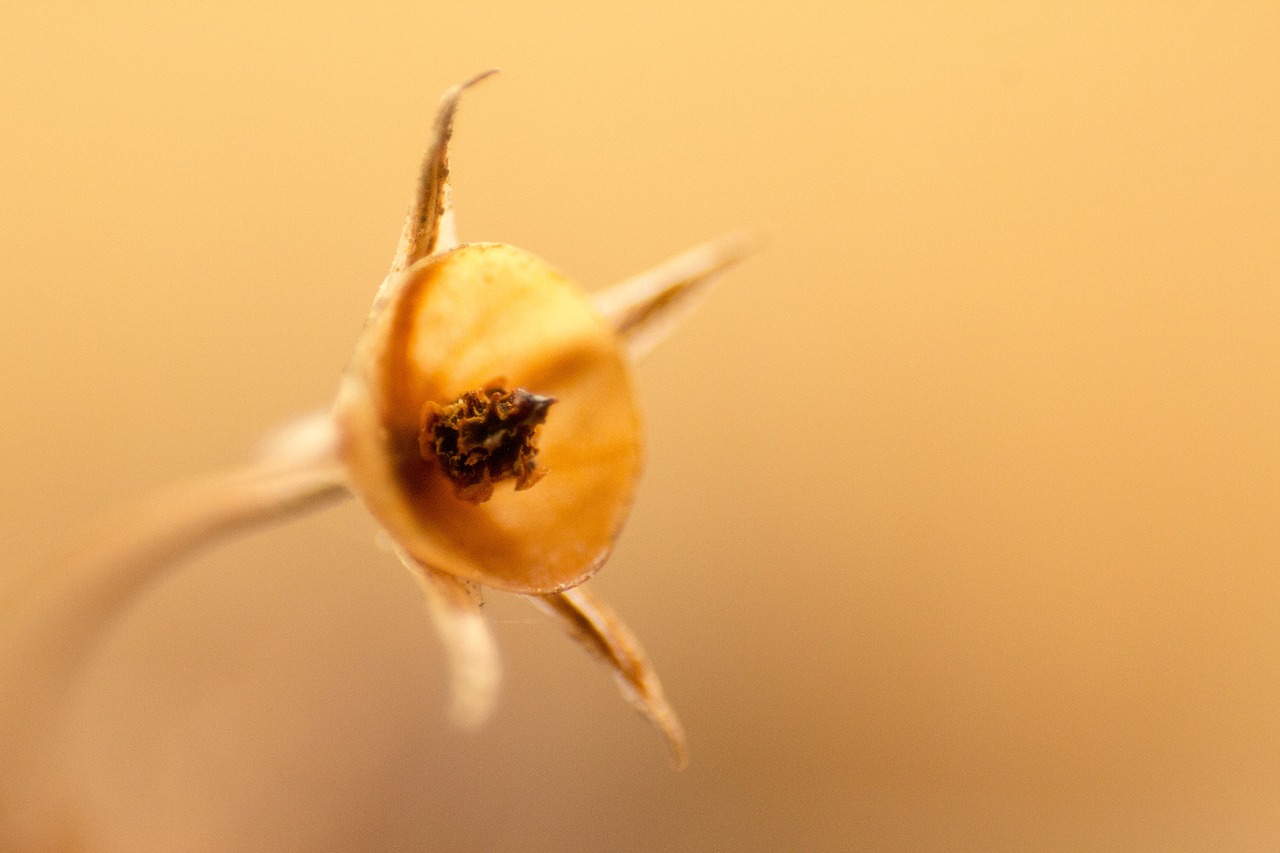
487,420
477,329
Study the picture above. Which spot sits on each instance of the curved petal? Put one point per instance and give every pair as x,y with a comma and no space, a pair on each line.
594,624
646,308
461,321
474,672
429,226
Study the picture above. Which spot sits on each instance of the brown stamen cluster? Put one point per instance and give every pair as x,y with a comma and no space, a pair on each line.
485,437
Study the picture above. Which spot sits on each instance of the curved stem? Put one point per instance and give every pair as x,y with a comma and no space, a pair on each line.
48,640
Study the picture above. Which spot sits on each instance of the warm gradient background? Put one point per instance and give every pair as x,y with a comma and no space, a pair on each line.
959,529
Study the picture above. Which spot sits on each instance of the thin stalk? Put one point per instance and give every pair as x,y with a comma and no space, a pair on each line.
49,639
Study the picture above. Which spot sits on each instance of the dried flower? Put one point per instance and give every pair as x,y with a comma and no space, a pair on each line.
487,420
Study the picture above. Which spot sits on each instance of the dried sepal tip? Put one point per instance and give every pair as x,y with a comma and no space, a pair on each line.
428,228
594,625
645,309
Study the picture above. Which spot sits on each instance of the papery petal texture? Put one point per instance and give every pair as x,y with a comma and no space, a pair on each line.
479,315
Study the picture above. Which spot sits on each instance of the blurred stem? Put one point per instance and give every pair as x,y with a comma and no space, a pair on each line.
48,640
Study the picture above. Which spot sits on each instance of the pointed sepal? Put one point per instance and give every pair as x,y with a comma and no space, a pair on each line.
429,226
644,309
472,654
594,624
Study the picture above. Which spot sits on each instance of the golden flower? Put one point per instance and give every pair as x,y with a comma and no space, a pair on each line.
477,328
487,420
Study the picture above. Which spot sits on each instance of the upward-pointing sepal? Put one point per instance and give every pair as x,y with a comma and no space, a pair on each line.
429,226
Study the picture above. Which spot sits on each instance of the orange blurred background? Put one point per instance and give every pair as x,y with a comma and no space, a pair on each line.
959,526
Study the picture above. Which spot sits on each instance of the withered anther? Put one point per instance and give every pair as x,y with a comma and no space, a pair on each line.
485,437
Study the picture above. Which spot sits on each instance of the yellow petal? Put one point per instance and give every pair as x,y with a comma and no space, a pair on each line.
464,320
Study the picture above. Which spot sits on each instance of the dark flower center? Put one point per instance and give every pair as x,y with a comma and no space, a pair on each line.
485,437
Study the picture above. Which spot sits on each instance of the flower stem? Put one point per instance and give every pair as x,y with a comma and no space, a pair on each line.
49,639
